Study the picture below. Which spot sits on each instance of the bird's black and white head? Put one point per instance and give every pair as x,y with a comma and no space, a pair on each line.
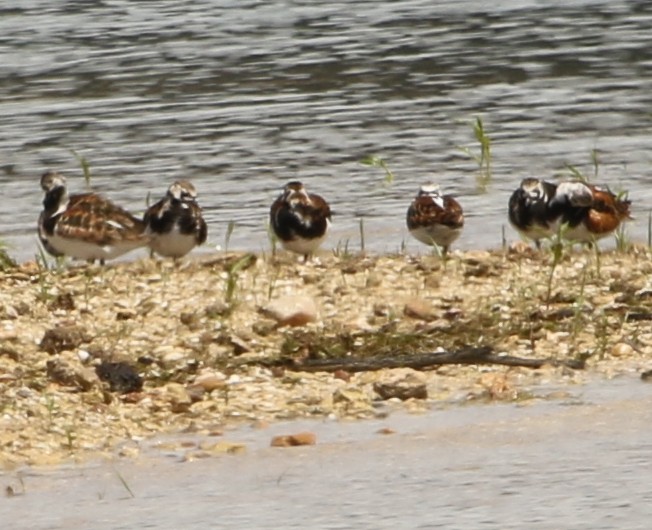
182,191
433,192
51,180
295,193
429,190
533,190
56,195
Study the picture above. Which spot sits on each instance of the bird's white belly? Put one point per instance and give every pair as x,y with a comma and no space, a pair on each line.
580,234
303,246
440,234
172,244
86,250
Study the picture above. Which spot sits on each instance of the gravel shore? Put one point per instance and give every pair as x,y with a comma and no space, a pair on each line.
92,357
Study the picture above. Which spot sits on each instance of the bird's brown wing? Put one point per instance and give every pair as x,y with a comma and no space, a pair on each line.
424,211
94,219
607,211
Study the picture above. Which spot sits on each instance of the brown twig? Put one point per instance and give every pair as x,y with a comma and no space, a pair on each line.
424,361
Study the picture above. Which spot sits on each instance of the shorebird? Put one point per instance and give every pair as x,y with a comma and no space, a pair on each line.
538,209
435,219
175,223
529,212
590,212
85,226
300,219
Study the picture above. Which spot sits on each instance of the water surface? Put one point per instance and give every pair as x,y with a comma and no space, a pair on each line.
578,463
242,96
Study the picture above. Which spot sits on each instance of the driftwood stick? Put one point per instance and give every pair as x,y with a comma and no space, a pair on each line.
424,361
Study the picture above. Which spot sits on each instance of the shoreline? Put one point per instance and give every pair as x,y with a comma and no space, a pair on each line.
195,335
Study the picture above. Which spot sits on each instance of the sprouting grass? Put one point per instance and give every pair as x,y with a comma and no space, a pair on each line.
42,264
233,275
45,263
275,273
438,251
51,408
603,333
577,174
273,240
44,270
124,483
341,251
578,307
623,242
557,251
483,157
229,232
71,436
485,147
86,168
376,161
595,161
6,261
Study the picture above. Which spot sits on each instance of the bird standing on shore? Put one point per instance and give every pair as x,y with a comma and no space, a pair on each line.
529,211
538,209
85,226
435,219
175,223
590,212
300,220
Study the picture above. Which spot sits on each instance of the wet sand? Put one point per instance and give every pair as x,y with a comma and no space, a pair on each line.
579,462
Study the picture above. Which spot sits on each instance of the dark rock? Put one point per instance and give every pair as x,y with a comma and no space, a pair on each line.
63,338
146,360
190,319
63,301
125,314
122,377
239,346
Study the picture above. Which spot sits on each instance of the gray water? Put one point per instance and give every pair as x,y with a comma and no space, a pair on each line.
242,96
579,463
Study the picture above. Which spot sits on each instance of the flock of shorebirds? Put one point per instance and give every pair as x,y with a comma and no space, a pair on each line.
89,227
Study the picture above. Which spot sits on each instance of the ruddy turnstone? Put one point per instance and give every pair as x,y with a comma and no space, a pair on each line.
175,223
529,211
433,218
537,209
85,226
590,212
300,219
